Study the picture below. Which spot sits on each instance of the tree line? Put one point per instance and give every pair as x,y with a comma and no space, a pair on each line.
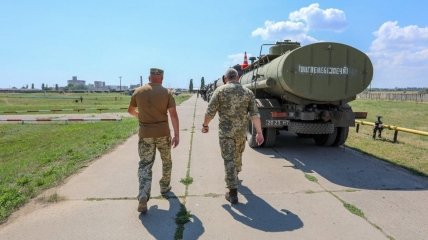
191,84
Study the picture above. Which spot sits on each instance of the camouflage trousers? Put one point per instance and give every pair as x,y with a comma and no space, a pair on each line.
231,151
147,151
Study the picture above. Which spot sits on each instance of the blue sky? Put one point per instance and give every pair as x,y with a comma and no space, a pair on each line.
51,41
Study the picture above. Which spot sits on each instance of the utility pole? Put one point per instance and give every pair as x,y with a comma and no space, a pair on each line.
120,83
141,81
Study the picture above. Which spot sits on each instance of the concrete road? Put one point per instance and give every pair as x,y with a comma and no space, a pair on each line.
277,198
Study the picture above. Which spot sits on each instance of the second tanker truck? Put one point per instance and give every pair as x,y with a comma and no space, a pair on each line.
306,90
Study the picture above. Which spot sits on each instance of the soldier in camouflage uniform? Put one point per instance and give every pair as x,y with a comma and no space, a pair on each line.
233,103
150,104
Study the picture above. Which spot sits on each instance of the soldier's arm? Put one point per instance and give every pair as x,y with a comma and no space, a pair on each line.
207,120
132,108
258,126
255,119
175,125
252,107
213,105
211,111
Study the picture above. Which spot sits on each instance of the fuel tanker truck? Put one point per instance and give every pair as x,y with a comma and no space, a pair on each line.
306,90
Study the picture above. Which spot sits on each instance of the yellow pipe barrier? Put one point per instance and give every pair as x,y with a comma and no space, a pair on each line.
391,127
395,128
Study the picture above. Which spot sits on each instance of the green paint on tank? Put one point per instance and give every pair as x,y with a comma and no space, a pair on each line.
323,72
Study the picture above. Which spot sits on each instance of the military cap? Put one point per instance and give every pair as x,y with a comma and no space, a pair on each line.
156,71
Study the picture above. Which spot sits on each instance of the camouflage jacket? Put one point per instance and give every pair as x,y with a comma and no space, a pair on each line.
233,103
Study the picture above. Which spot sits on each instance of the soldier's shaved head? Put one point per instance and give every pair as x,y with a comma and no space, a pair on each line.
231,74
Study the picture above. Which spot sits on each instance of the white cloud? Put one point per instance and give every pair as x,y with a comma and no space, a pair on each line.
316,18
301,22
276,29
400,55
391,37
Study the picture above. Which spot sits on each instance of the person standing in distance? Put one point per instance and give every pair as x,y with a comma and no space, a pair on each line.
233,103
150,104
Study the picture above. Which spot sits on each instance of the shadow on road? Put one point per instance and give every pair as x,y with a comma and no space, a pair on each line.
258,214
161,223
344,166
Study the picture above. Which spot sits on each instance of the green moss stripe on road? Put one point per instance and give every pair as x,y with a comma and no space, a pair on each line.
183,216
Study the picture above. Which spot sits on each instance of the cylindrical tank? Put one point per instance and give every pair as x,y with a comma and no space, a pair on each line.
324,72
282,47
219,82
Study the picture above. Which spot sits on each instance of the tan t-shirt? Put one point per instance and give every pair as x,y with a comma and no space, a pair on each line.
153,102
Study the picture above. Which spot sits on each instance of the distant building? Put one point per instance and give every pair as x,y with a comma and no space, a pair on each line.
76,82
117,88
134,86
99,84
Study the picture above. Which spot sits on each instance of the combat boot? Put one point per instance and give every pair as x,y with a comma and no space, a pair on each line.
232,196
142,205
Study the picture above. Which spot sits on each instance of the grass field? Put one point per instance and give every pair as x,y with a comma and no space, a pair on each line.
91,102
34,157
49,101
411,151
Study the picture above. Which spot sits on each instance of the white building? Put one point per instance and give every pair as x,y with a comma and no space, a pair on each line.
76,82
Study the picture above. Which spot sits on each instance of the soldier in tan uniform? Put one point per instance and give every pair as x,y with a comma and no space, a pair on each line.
150,104
233,103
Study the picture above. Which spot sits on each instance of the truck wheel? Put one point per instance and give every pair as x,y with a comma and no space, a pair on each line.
326,139
251,135
342,135
270,137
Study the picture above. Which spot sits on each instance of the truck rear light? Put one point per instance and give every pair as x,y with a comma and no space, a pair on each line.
279,114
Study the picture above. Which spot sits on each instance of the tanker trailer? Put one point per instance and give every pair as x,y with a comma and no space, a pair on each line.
305,90
210,90
220,81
